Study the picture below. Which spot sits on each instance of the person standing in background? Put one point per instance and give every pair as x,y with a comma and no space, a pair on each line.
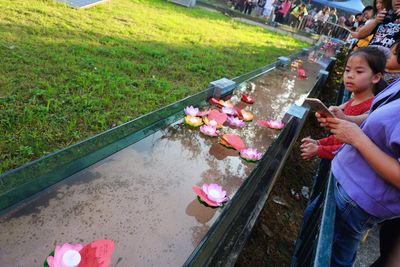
267,12
260,7
283,11
332,16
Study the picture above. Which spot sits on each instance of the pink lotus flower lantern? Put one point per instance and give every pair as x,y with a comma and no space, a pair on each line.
235,121
301,74
228,111
65,255
250,154
212,123
273,124
191,111
211,195
209,130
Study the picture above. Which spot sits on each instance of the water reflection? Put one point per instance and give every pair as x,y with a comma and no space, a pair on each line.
200,212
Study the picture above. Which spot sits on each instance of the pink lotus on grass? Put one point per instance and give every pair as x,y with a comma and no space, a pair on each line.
228,111
191,111
209,130
211,195
65,255
235,121
250,154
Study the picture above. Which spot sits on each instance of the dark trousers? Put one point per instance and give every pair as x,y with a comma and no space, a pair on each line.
248,8
389,238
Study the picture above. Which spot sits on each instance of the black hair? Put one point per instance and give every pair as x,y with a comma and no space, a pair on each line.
386,4
375,58
396,47
367,8
358,14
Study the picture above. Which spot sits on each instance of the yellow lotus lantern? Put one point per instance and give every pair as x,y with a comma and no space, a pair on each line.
193,121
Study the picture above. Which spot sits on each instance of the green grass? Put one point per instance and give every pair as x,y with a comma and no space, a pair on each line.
68,74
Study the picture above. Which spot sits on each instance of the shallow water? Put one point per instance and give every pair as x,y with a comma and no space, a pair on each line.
141,197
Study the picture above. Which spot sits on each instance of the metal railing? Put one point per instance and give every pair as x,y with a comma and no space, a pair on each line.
308,24
314,244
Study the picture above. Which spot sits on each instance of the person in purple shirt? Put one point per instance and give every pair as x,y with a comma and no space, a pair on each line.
367,171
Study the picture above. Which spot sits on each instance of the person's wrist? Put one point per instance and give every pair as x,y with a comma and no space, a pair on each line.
360,141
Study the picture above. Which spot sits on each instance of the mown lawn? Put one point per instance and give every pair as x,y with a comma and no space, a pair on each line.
68,74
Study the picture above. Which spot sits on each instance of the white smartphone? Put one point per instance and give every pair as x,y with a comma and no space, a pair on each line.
317,106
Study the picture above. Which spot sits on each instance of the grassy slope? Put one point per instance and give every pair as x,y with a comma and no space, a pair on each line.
67,74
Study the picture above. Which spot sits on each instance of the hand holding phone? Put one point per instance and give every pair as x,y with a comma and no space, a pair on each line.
317,106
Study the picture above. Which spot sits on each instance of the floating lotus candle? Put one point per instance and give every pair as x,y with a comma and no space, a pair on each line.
211,195
222,103
203,113
246,115
232,141
212,123
191,111
193,121
65,255
94,254
235,122
297,63
273,124
301,74
228,111
250,154
209,130
217,116
247,99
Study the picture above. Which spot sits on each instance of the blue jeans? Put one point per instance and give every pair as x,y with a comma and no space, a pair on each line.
351,223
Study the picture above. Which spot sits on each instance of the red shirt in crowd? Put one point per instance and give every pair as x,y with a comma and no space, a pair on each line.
327,146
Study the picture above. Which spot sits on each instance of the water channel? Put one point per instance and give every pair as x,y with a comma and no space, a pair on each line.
141,196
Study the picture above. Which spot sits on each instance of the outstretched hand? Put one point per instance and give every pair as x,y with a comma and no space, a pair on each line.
309,148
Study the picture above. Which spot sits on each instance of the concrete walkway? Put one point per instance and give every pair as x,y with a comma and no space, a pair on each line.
369,249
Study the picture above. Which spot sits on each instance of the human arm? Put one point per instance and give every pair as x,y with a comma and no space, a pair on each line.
358,119
367,29
329,141
310,148
326,152
383,164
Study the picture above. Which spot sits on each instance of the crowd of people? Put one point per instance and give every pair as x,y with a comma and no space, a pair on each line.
365,143
296,13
